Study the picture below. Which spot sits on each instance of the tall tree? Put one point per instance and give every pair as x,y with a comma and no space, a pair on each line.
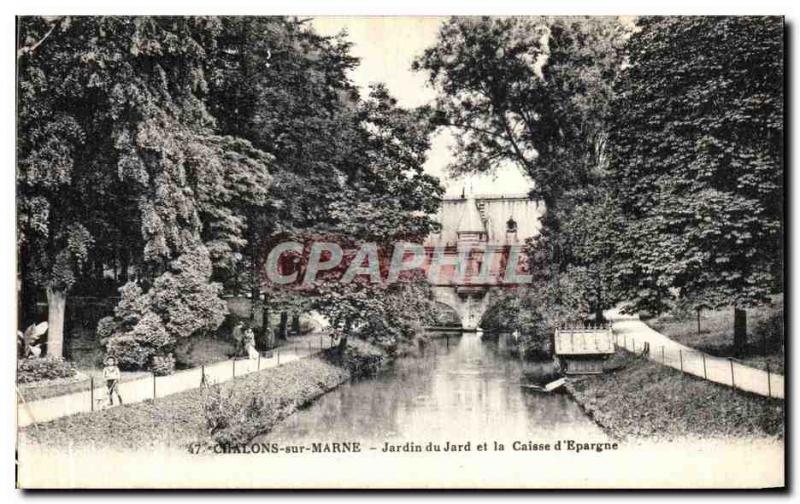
281,86
697,157
115,137
347,168
536,92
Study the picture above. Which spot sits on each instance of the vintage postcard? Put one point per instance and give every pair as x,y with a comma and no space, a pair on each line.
282,252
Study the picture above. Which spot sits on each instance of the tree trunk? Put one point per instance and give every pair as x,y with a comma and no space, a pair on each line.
123,268
698,321
283,325
598,314
266,325
56,307
99,271
348,325
296,324
255,304
739,331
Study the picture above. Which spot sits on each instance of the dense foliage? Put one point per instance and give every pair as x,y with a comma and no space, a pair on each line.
46,368
170,152
697,161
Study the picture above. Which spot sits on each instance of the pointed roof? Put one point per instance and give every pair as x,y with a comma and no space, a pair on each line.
471,221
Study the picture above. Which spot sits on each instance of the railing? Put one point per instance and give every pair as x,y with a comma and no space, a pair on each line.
91,395
722,370
583,339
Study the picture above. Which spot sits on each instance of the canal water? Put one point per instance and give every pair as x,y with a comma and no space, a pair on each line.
464,388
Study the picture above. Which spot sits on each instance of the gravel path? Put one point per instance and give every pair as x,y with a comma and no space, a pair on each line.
148,387
632,334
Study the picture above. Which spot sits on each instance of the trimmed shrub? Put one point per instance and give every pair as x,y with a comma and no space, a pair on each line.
148,326
136,349
45,368
163,364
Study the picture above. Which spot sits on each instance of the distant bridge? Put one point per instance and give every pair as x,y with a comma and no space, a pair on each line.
471,227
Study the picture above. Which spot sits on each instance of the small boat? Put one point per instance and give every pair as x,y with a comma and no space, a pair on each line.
555,384
550,387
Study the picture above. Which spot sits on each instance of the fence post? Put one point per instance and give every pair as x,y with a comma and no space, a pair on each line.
91,392
320,342
258,364
663,356
705,373
680,354
279,357
234,368
154,386
769,382
202,375
733,383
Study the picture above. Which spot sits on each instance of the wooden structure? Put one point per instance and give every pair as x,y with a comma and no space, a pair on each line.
583,350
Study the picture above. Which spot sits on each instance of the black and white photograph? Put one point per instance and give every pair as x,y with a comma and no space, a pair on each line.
399,252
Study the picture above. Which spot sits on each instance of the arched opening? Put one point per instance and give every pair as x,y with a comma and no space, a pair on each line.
501,316
513,315
445,316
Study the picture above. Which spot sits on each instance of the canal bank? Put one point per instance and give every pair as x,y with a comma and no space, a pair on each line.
645,400
228,413
235,413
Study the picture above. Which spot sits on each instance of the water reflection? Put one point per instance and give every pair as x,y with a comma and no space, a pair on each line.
462,388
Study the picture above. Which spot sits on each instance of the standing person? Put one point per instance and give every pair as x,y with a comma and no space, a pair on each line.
238,339
111,375
250,344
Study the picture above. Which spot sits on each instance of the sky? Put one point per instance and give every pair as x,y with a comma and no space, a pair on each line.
386,47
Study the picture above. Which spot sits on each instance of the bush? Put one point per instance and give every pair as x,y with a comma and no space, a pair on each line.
361,358
771,331
218,406
147,326
137,348
163,365
45,368
306,325
236,412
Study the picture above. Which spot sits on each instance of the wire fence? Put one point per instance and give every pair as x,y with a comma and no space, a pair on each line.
93,394
722,370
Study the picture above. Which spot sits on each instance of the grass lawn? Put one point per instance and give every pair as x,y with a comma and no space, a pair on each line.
233,411
764,332
648,400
